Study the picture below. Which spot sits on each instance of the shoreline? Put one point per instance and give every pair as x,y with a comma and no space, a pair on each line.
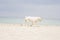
23,25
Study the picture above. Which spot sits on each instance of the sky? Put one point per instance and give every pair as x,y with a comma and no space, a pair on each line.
21,8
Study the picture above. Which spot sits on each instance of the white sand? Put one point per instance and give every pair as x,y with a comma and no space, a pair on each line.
17,32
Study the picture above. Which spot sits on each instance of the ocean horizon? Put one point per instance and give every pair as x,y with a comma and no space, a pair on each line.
21,21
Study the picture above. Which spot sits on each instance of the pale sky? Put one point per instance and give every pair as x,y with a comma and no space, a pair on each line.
21,8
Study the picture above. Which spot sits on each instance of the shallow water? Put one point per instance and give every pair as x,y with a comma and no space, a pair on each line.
21,20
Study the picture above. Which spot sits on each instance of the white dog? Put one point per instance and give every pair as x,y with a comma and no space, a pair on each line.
32,20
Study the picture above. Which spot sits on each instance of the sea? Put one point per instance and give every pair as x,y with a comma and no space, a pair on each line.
21,21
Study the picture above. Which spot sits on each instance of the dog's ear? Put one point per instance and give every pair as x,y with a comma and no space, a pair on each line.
25,16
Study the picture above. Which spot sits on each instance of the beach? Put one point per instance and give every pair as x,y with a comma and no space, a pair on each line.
22,32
